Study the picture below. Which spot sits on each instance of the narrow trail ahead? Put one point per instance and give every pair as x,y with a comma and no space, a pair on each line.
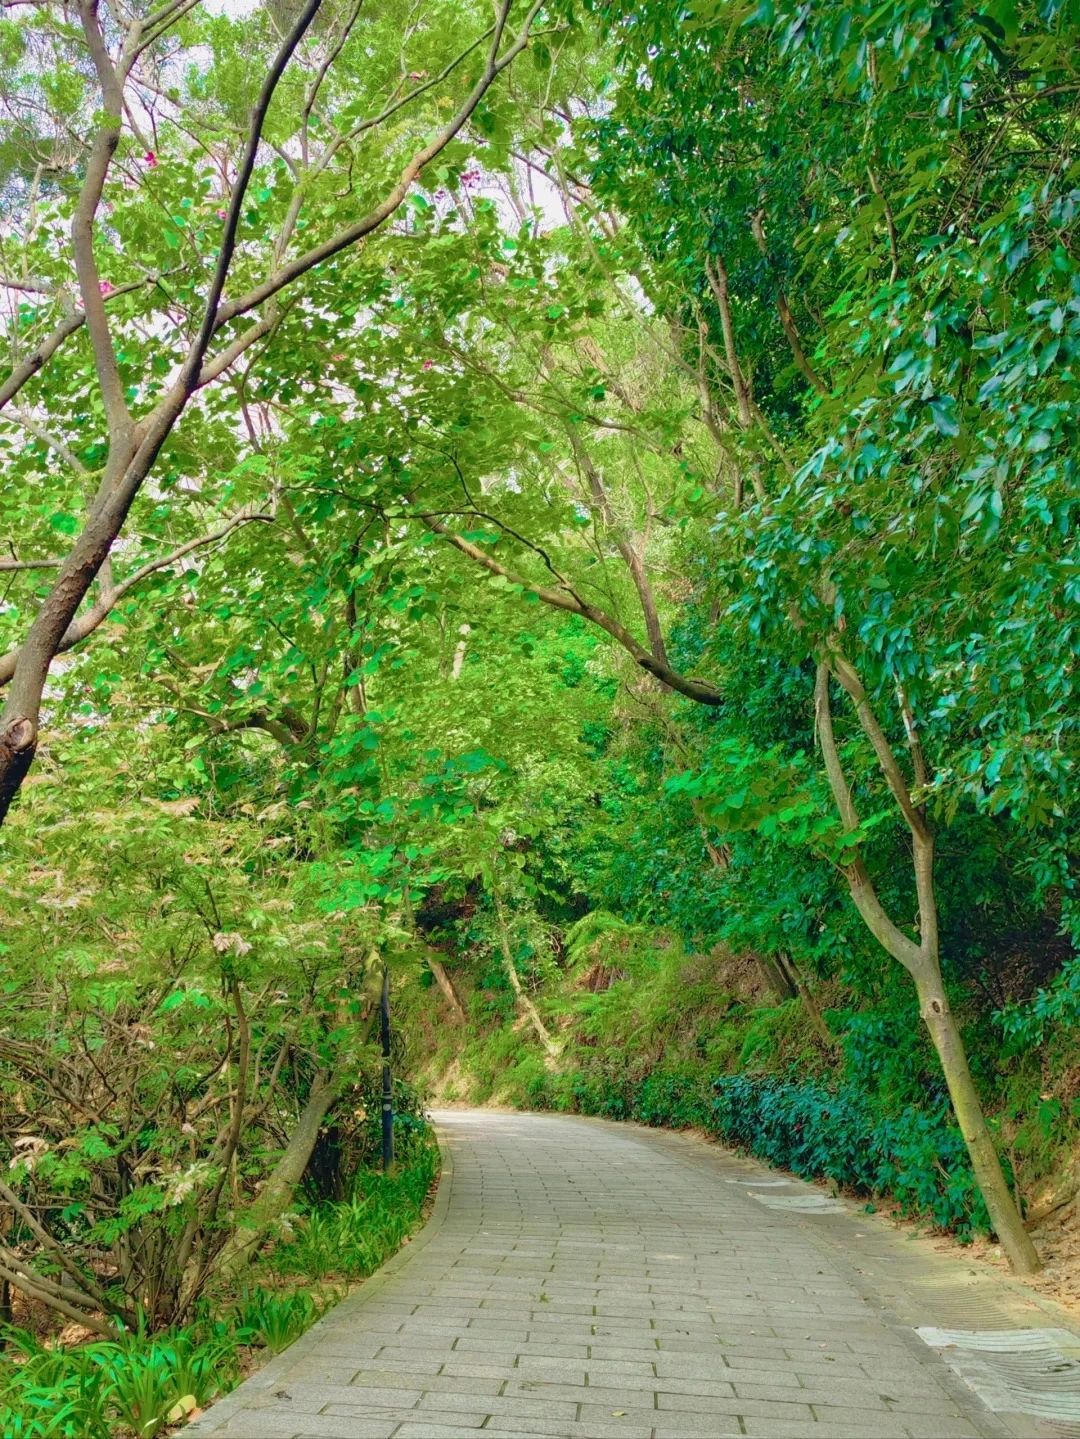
587,1279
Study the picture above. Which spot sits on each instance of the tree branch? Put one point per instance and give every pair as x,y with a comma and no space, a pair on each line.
7,566
566,599
82,225
347,237
861,887
631,556
787,319
193,363
86,624
848,677
20,374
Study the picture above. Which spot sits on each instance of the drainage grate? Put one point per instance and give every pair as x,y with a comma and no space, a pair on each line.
1017,1371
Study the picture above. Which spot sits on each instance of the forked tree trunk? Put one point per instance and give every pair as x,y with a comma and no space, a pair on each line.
921,958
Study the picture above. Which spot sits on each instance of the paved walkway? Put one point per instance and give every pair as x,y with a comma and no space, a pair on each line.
587,1279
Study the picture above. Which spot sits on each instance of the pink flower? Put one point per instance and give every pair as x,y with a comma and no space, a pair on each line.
221,214
150,159
106,287
428,365
470,177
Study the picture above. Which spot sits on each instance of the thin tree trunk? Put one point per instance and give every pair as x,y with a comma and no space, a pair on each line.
1000,1205
787,319
276,1194
774,975
443,980
922,960
459,652
524,1003
809,1003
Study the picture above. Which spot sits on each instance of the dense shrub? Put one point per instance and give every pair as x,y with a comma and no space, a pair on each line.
915,1156
142,1383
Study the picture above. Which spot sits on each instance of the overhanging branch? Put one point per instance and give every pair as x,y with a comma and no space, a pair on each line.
567,599
85,624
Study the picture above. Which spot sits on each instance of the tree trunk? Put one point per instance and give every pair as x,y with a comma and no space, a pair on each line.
524,1003
775,977
276,1194
443,980
1004,1215
813,1013
922,960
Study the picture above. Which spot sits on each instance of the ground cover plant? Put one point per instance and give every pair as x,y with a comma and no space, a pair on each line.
146,1381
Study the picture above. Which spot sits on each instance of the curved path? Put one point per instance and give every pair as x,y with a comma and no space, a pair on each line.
587,1279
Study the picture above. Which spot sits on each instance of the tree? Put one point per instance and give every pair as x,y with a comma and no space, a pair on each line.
298,152
913,415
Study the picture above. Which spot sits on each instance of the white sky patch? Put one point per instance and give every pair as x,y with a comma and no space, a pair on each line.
234,9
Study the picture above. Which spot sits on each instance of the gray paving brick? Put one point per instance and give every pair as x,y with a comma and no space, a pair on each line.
778,1408
441,1426
782,1429
302,1398
590,1281
254,1425
494,1370
611,1428
937,1427
618,1395
521,1405
428,1383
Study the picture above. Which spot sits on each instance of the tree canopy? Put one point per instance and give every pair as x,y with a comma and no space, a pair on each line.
470,468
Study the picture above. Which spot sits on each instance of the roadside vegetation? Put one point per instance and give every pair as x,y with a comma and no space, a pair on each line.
149,1379
571,506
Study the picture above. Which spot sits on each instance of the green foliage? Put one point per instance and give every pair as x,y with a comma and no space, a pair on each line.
726,341
352,1237
275,1320
105,1389
653,1034
915,1155
102,1389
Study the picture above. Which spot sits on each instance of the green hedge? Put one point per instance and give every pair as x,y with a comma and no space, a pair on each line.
915,1156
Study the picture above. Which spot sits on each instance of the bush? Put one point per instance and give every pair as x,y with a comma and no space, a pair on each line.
917,1156
133,1384
914,1155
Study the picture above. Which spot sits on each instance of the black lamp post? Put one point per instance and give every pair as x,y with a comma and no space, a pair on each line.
387,1083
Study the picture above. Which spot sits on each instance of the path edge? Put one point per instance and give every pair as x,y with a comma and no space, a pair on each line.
695,1146
702,1142
277,1368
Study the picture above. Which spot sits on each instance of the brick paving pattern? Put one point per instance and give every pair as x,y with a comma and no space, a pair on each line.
593,1280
